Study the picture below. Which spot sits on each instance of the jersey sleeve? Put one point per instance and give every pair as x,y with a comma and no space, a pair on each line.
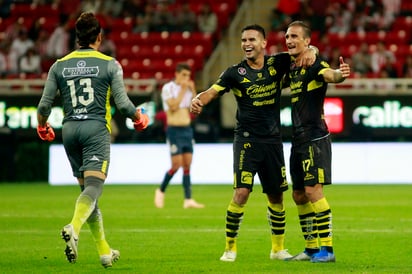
321,66
50,91
224,83
122,101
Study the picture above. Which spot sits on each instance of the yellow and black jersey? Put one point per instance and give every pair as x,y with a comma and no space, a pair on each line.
308,91
257,93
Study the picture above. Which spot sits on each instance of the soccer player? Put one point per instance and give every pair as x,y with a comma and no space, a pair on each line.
310,159
256,83
176,97
85,80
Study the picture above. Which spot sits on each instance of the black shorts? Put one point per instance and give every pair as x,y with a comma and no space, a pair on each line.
267,160
310,163
180,140
87,145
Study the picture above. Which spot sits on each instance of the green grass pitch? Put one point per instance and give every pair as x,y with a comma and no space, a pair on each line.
372,231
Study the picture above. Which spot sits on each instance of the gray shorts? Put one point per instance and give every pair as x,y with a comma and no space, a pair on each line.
87,146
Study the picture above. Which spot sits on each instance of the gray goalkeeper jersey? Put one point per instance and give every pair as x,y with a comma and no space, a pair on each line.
86,79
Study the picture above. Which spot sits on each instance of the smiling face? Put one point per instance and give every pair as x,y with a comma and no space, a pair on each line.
296,40
253,44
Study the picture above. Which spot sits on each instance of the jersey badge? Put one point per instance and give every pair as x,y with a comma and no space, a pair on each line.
272,71
241,71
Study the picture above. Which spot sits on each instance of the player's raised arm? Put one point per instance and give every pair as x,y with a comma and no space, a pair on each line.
337,75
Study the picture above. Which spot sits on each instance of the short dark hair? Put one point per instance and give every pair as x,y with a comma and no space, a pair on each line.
87,29
306,29
183,66
256,27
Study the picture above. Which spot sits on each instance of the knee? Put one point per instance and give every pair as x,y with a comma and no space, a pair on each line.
276,198
299,196
241,196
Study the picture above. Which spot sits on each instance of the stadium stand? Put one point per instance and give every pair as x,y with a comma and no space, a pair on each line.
132,49
153,54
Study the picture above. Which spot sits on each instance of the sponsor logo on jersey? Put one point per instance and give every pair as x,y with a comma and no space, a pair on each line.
246,177
94,158
80,70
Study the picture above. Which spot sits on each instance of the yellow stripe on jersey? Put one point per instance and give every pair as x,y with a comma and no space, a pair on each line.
108,116
314,85
217,88
104,167
86,54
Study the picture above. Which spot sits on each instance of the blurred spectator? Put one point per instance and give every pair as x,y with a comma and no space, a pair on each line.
144,21
185,18
12,30
141,24
407,67
113,8
163,19
325,49
339,19
392,7
107,46
334,58
30,62
316,10
380,57
361,61
207,19
35,28
94,6
360,22
134,8
279,21
3,63
41,43
58,44
388,70
18,48
380,19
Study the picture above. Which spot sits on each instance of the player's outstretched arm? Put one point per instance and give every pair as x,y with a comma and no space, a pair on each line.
202,99
337,75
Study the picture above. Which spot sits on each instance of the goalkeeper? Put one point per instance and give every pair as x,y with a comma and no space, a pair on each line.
85,79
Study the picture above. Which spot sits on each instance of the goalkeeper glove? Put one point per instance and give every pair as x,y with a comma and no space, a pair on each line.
46,133
142,123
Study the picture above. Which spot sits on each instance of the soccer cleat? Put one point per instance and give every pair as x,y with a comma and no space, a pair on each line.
303,256
228,256
280,255
323,256
108,260
190,203
71,239
159,199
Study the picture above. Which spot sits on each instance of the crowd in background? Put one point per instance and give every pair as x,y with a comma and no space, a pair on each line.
31,49
342,18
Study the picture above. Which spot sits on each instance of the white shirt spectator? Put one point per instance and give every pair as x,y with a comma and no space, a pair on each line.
30,62
18,48
207,19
